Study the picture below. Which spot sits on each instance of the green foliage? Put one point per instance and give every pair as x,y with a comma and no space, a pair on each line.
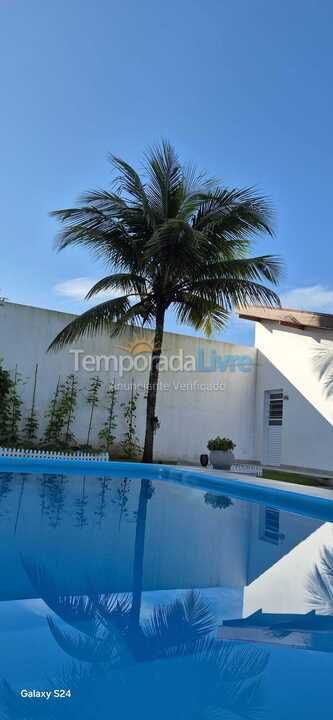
31,424
107,433
175,239
13,402
220,443
92,400
6,383
156,423
67,406
61,414
130,444
54,420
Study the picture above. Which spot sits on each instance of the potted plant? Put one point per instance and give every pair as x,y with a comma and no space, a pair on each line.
221,455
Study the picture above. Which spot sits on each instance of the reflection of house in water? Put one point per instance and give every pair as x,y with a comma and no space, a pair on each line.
63,538
309,631
259,554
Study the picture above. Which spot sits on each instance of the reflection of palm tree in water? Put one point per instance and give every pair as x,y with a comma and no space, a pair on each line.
169,664
320,584
6,486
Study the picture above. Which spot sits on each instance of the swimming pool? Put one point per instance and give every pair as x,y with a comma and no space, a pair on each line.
157,593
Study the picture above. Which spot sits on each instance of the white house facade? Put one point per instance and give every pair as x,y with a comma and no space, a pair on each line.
275,400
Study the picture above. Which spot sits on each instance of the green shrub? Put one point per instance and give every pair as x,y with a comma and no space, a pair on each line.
220,443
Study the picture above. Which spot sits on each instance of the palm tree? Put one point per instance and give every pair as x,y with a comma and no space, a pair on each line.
320,583
172,239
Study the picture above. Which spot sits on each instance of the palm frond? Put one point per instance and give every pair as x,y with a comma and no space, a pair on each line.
175,243
105,317
199,312
128,180
82,647
114,610
127,282
165,177
178,625
237,205
263,267
234,292
320,584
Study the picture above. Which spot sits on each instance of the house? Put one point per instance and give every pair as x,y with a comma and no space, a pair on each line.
275,400
294,388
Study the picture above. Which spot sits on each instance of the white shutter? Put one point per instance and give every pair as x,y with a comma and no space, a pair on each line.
274,418
274,445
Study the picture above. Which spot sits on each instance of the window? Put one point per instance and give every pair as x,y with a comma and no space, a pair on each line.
275,410
270,525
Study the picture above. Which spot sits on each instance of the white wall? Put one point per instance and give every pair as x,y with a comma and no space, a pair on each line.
284,586
188,417
96,519
288,359
263,554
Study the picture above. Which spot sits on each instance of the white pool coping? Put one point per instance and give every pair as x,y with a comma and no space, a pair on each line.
324,492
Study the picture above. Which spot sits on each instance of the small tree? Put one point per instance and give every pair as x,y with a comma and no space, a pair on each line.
130,444
107,433
53,427
15,410
61,412
5,390
92,400
68,400
31,424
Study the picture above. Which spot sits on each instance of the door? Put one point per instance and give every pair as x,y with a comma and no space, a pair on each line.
273,426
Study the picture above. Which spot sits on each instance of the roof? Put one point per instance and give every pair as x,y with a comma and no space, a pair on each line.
300,319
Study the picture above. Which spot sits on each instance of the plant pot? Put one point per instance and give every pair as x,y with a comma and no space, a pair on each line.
222,459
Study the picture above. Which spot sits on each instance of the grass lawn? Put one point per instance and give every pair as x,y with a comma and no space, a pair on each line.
292,477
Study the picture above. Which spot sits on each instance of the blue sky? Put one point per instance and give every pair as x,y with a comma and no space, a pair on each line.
242,89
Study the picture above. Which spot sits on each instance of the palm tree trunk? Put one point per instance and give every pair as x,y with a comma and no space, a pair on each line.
152,388
145,495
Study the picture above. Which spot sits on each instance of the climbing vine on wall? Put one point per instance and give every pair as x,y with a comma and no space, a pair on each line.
5,389
107,432
61,414
10,407
31,425
130,444
92,400
54,421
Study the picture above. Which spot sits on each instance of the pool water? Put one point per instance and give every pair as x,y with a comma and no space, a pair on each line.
131,597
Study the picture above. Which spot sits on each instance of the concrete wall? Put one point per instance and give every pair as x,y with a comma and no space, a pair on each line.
189,414
289,359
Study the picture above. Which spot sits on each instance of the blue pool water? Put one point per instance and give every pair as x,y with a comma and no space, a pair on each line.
165,595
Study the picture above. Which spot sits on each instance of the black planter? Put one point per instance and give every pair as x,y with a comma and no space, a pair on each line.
204,460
